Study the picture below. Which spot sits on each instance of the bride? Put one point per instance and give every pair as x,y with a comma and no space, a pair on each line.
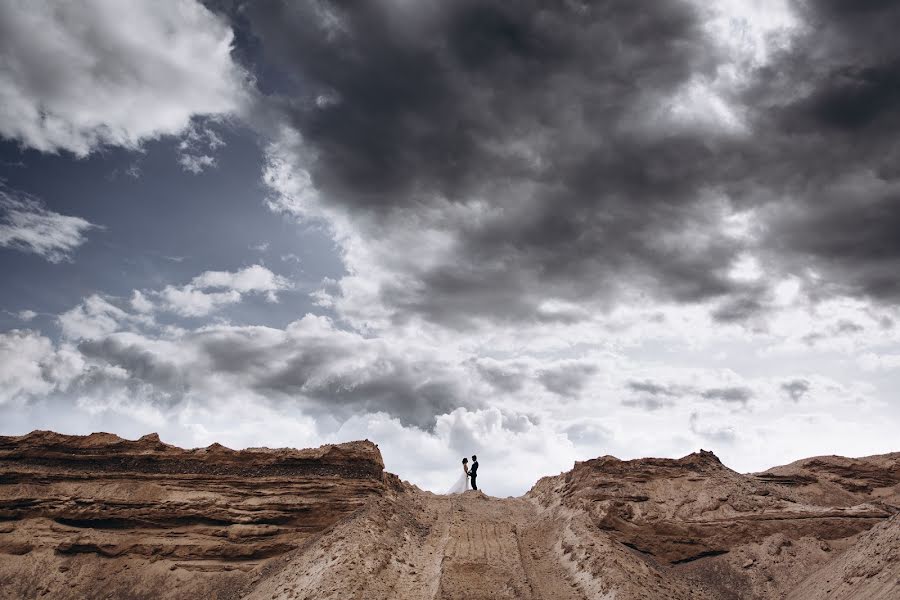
462,484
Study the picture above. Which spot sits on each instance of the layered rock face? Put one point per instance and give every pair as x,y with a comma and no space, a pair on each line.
841,481
98,516
732,535
101,517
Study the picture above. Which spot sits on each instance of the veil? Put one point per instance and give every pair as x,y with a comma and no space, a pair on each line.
461,485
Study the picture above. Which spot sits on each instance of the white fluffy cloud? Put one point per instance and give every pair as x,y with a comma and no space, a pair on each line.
76,76
32,365
26,225
196,163
97,316
427,401
92,318
255,278
189,301
197,147
212,290
23,354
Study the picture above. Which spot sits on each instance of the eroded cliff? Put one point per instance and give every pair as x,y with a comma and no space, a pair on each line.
733,535
102,517
99,516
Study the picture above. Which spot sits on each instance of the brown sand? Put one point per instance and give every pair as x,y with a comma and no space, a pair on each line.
102,517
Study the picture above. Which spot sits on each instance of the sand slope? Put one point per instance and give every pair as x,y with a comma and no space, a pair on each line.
868,570
101,517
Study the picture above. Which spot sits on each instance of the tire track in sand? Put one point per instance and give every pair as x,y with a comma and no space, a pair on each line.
499,549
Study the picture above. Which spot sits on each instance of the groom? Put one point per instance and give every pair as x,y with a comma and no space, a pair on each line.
473,472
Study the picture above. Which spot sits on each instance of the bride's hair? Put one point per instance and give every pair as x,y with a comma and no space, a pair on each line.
465,460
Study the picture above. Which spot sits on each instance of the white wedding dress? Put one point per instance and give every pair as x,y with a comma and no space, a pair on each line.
461,485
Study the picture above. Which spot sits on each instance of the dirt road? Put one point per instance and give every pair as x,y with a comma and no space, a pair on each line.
468,546
500,549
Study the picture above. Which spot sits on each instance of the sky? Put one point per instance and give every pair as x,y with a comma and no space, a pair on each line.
535,231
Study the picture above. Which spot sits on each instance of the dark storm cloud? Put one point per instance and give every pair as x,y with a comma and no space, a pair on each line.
554,114
742,306
567,379
341,374
400,393
502,377
319,368
841,328
827,125
845,327
795,389
413,391
654,389
728,394
557,117
847,60
854,98
140,363
652,396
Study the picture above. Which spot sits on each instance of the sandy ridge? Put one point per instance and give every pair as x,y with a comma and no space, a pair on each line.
97,516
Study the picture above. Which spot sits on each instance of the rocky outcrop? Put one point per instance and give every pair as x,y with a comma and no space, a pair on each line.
740,536
841,481
102,517
679,510
77,508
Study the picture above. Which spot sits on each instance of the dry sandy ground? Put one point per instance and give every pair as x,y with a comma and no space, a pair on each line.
869,570
424,546
101,517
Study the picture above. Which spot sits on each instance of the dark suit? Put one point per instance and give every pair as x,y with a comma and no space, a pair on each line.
473,473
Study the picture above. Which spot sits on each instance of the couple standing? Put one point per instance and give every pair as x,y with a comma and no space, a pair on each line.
463,483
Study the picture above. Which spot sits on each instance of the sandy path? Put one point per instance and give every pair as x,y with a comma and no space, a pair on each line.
431,548
499,549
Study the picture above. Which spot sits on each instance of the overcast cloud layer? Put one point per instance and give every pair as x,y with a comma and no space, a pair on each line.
565,229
